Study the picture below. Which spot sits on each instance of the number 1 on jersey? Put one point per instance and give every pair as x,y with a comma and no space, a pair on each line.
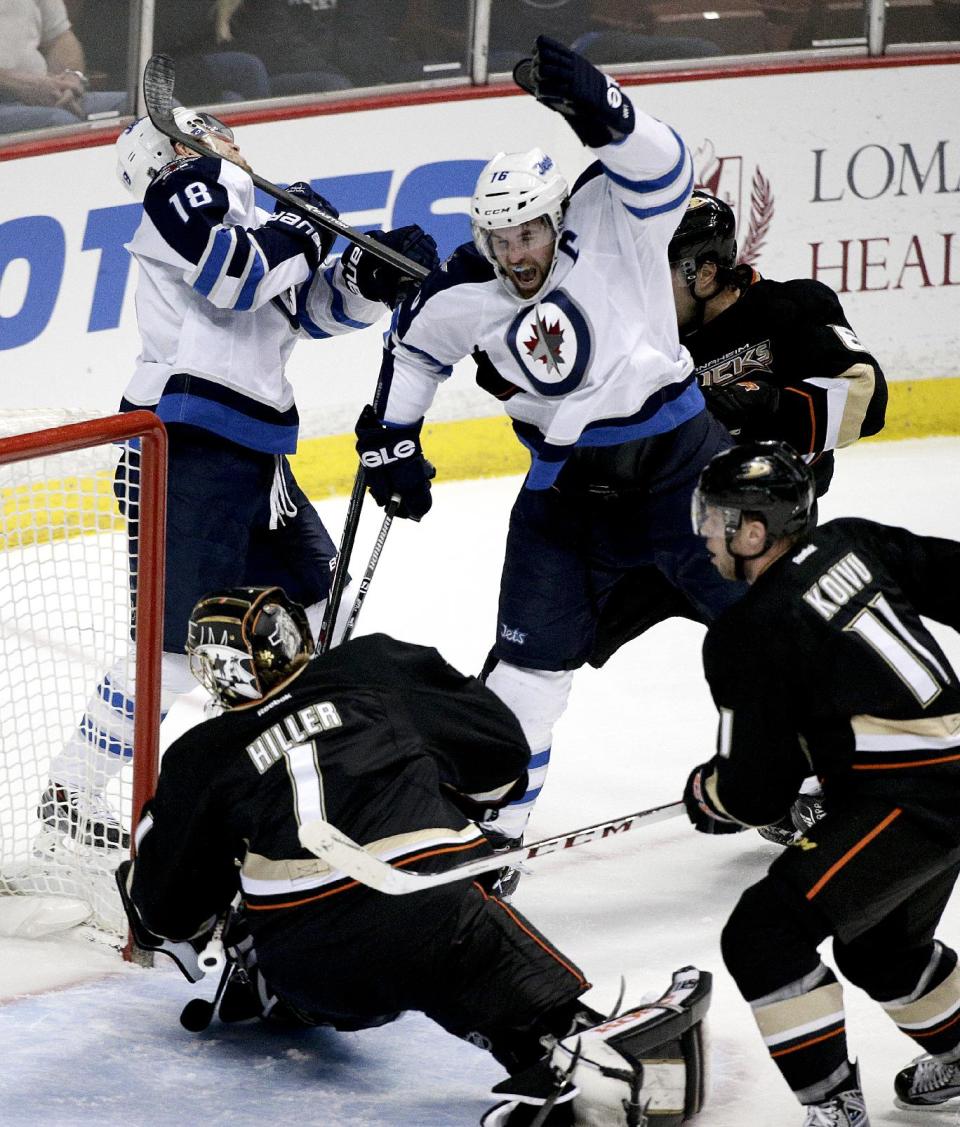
306,779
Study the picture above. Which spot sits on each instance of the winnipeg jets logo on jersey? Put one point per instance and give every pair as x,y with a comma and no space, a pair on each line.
551,342
545,344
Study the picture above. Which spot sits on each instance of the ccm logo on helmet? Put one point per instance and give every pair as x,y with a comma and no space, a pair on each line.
384,456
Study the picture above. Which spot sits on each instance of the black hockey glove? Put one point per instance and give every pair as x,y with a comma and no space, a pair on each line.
700,809
186,953
598,110
316,240
743,406
377,280
393,463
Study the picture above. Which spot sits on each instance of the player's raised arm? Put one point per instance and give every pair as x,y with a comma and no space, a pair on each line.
646,162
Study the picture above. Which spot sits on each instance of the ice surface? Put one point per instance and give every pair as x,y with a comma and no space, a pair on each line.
85,1039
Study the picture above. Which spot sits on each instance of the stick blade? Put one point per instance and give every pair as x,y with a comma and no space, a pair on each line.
159,76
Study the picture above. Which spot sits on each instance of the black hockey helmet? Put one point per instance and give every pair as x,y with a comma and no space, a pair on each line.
243,641
766,480
707,233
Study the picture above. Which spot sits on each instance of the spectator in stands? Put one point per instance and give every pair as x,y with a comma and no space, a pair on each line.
42,79
96,25
433,36
296,42
209,68
624,31
606,31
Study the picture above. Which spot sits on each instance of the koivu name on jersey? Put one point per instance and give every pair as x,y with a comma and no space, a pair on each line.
745,362
298,728
837,586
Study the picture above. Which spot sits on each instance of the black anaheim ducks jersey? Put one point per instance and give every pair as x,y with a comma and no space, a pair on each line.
369,737
825,667
794,336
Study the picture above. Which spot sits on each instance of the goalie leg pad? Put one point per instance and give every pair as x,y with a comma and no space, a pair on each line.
647,1062
515,1114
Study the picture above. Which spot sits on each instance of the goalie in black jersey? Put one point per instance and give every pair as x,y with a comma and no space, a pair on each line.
826,667
403,753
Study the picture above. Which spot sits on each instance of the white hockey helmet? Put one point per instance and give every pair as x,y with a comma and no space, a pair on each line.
142,150
511,189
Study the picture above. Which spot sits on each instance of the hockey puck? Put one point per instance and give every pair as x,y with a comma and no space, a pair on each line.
196,1015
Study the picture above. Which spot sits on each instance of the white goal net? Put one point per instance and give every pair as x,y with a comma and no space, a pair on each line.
77,737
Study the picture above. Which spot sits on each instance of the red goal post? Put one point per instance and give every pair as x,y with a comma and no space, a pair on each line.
56,488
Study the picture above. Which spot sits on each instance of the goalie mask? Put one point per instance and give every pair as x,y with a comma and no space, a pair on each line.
244,641
519,196
143,151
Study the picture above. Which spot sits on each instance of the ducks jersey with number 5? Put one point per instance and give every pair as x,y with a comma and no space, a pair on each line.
595,359
783,362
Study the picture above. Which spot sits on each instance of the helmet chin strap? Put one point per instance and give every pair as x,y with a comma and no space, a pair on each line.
700,303
739,560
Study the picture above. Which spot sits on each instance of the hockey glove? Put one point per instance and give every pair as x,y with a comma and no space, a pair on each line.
597,109
701,810
743,406
316,240
186,953
377,280
393,463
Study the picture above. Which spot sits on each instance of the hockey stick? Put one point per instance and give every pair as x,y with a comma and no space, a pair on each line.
388,516
197,1014
347,537
344,552
159,77
343,853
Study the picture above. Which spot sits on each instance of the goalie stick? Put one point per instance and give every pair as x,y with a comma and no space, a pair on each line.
343,853
159,78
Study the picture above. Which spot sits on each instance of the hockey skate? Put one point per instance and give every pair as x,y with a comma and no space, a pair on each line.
928,1083
845,1109
84,817
503,882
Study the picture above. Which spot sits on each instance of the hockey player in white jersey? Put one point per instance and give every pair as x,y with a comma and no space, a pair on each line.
225,290
565,300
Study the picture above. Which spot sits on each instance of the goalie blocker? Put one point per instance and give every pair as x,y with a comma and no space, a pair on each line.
647,1066
185,954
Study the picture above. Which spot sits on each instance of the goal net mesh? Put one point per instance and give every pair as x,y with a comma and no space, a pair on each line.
69,557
